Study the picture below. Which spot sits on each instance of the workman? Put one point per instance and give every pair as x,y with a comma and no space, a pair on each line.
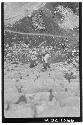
46,63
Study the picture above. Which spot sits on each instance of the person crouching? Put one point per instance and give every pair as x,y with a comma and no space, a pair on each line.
33,61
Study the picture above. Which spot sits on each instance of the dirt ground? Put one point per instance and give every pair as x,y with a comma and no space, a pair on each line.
32,93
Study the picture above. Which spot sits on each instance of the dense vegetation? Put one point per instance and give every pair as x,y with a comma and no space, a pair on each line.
20,47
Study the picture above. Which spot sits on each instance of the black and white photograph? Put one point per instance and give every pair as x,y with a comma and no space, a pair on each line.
41,61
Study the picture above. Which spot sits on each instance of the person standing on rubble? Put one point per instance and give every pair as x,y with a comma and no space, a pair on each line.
45,59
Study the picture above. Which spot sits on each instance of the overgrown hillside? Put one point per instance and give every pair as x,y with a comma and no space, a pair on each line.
45,32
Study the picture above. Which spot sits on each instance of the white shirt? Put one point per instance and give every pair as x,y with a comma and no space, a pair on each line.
46,57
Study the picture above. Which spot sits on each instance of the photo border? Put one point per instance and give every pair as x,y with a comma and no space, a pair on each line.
46,119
